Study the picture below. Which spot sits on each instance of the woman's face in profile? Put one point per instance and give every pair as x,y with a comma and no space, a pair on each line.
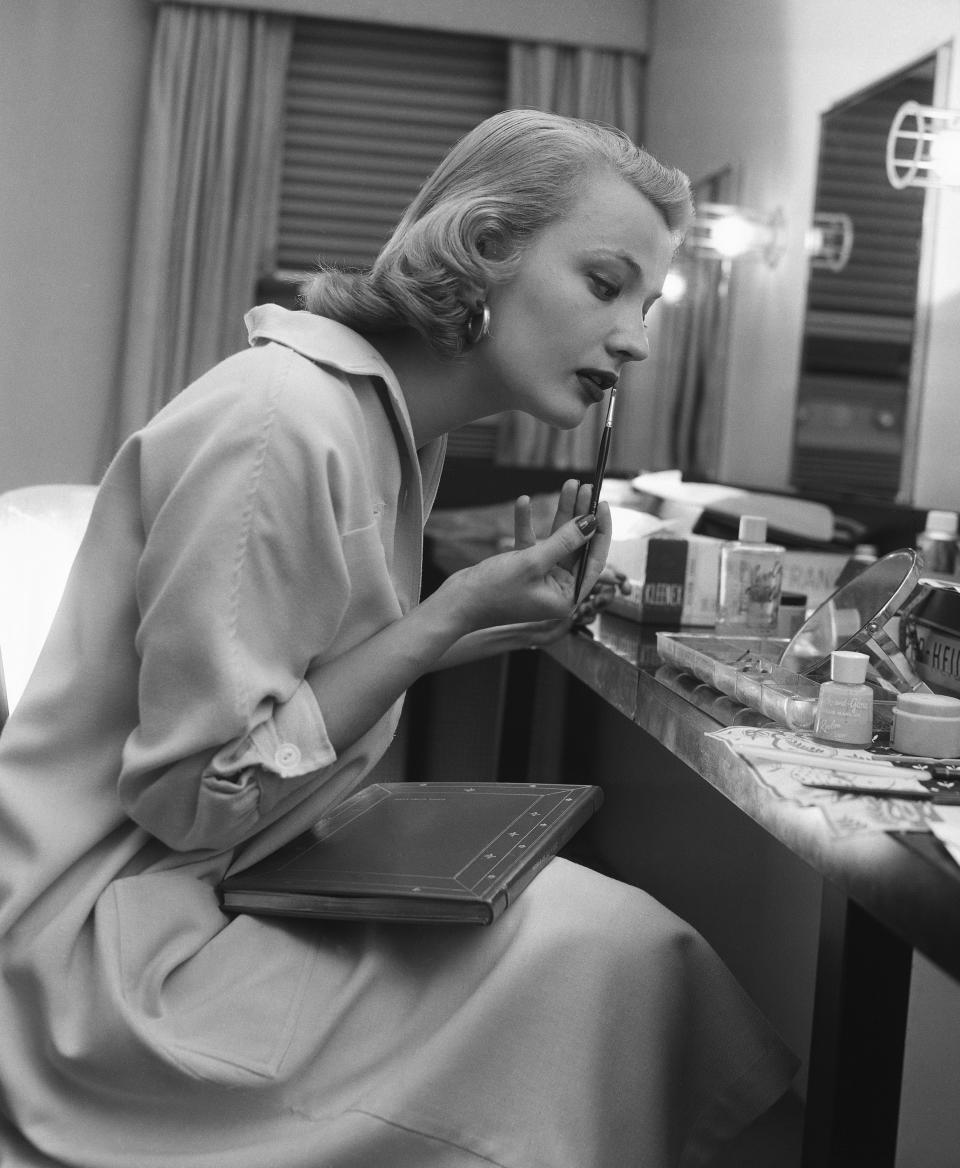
566,323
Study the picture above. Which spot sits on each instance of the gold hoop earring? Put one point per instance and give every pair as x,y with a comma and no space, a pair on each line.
478,325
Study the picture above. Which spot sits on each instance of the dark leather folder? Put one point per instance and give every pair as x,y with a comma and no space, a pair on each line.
445,852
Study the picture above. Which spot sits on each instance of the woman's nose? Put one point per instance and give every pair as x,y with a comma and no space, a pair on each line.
630,342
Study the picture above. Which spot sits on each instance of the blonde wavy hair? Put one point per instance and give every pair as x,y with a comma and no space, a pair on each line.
509,177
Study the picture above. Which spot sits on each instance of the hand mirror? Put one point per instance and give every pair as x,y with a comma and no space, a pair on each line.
858,617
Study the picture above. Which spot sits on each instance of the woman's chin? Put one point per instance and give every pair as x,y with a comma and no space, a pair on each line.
576,416
569,417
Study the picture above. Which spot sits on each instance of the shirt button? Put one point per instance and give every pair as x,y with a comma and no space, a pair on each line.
287,755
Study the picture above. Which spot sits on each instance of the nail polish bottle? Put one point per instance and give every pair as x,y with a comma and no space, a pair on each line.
845,705
751,571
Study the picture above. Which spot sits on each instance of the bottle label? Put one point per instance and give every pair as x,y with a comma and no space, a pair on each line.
750,591
845,715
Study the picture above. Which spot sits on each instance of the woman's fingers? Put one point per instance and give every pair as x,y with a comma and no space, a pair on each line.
609,585
523,533
535,581
567,504
597,549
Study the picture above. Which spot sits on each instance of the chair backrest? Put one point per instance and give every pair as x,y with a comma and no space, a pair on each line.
40,530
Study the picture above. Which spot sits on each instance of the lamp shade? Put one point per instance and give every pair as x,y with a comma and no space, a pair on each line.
923,147
729,232
829,241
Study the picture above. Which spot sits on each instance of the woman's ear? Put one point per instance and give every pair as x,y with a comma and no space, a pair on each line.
493,248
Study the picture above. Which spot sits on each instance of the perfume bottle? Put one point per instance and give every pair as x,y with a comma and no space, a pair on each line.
751,571
845,706
937,543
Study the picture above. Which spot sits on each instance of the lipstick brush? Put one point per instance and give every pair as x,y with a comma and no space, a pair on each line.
602,453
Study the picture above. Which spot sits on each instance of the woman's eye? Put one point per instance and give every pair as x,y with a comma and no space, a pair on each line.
604,288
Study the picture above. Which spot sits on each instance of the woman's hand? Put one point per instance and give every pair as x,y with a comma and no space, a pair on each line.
535,581
530,587
611,583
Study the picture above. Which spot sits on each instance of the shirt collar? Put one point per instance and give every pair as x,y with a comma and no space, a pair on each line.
330,343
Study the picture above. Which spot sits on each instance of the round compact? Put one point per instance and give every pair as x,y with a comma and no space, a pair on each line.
926,724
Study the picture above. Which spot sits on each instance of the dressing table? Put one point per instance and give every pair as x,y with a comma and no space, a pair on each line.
884,894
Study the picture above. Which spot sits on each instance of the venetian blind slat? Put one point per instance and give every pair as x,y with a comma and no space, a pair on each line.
370,111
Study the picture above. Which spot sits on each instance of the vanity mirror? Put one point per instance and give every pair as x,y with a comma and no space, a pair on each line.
862,344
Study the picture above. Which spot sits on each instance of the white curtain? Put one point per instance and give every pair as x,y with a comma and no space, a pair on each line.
687,369
205,224
604,86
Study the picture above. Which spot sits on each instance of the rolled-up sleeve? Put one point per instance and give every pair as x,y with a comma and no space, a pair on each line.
242,587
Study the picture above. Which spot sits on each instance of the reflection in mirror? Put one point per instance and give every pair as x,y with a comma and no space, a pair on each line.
692,338
860,326
860,617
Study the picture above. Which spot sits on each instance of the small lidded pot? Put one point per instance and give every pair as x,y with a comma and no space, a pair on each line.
926,724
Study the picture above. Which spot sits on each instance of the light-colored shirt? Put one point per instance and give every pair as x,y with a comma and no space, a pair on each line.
268,518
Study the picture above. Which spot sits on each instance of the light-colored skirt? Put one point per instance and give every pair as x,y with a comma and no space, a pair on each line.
587,1028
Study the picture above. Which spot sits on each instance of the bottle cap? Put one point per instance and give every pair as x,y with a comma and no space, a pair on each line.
848,666
943,521
753,529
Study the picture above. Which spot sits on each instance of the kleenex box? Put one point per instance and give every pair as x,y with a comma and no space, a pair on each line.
674,579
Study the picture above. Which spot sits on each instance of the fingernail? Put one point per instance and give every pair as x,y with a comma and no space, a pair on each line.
586,523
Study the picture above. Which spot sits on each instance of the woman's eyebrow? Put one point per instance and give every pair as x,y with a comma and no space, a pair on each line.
624,256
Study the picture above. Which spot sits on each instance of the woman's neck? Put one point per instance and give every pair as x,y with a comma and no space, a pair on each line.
441,394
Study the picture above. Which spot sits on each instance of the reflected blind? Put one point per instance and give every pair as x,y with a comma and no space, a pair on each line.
370,111
880,279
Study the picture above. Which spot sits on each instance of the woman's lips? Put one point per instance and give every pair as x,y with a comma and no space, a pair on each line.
595,384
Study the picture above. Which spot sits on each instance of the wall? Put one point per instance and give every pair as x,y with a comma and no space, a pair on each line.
618,24
72,80
745,82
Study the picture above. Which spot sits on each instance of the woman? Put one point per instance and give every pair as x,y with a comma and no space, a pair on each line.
229,661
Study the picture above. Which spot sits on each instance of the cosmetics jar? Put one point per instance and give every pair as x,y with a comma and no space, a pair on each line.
926,724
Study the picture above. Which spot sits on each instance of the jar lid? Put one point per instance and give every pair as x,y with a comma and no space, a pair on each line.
931,705
848,666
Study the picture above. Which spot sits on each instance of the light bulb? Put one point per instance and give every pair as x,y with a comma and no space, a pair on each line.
945,157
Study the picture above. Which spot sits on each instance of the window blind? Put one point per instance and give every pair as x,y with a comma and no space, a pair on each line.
370,111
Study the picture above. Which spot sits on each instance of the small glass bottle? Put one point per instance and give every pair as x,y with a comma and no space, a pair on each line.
751,571
863,555
845,705
937,543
